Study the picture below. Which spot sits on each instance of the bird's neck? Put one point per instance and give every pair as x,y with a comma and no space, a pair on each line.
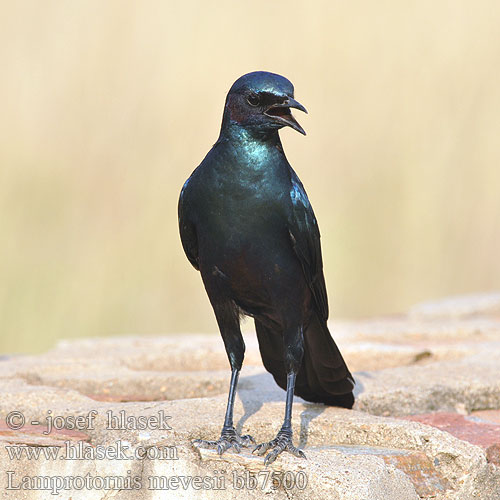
248,152
245,136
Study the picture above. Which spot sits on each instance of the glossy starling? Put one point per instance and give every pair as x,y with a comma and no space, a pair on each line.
247,225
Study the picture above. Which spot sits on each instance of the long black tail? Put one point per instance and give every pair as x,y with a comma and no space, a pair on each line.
323,376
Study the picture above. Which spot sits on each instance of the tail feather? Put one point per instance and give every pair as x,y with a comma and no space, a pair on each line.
323,376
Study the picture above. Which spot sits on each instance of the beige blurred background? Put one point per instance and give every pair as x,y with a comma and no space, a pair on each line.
107,107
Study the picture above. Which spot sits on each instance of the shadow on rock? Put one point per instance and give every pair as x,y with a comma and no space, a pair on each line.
255,390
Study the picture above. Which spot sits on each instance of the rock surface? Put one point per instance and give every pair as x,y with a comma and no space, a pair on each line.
115,417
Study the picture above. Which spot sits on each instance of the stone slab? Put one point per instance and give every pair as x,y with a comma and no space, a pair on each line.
407,366
471,383
470,429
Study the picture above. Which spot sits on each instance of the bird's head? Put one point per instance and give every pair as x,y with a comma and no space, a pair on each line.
260,102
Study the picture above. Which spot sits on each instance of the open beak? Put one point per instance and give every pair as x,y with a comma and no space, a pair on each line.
281,112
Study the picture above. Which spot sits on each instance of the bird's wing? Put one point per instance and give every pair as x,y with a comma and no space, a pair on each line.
188,230
305,237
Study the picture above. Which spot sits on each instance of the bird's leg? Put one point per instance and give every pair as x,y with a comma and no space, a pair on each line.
283,440
294,351
235,348
229,437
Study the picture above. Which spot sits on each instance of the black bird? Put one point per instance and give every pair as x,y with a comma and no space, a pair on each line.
247,225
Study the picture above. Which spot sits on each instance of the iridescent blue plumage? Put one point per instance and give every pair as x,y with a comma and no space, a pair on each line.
263,81
247,224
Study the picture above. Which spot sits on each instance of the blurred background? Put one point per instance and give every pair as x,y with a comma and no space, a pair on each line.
107,107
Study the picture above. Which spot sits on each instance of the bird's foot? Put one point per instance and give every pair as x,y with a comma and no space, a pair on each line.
282,442
229,438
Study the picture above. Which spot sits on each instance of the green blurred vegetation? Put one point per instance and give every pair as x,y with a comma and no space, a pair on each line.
107,107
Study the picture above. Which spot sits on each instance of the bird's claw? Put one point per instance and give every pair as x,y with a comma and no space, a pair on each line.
229,439
282,442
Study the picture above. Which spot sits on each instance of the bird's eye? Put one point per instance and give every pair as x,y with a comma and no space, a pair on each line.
253,100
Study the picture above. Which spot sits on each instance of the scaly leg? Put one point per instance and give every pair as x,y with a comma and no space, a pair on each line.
294,350
229,325
229,437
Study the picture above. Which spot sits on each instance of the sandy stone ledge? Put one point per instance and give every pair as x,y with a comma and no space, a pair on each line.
426,423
